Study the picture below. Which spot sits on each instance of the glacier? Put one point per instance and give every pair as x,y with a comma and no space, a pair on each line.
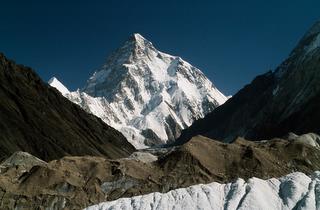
294,191
148,95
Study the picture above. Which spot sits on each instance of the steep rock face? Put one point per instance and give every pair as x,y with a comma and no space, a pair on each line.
274,103
148,95
35,118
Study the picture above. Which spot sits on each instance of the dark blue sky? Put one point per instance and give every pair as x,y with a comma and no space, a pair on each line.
230,41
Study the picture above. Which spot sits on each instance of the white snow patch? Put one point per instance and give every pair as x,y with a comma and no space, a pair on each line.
54,82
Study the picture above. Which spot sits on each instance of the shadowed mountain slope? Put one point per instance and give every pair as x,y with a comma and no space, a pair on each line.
37,119
273,104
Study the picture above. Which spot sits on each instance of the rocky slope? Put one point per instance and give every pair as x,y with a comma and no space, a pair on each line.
76,182
36,118
275,103
147,95
294,191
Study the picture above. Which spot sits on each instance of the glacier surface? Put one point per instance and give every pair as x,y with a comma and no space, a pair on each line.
294,191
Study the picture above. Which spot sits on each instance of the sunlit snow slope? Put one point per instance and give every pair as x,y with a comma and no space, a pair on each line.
54,82
294,191
147,95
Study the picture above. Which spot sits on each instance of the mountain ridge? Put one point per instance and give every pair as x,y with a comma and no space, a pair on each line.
274,103
37,119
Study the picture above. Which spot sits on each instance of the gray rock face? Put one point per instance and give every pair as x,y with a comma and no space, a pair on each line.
275,103
22,159
148,95
311,139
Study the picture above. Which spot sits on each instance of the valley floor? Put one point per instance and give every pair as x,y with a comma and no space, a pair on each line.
76,182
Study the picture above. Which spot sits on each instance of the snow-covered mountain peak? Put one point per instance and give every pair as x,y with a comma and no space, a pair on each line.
148,95
139,39
54,82
135,46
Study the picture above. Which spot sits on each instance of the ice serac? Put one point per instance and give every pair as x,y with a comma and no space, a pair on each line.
148,95
294,191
